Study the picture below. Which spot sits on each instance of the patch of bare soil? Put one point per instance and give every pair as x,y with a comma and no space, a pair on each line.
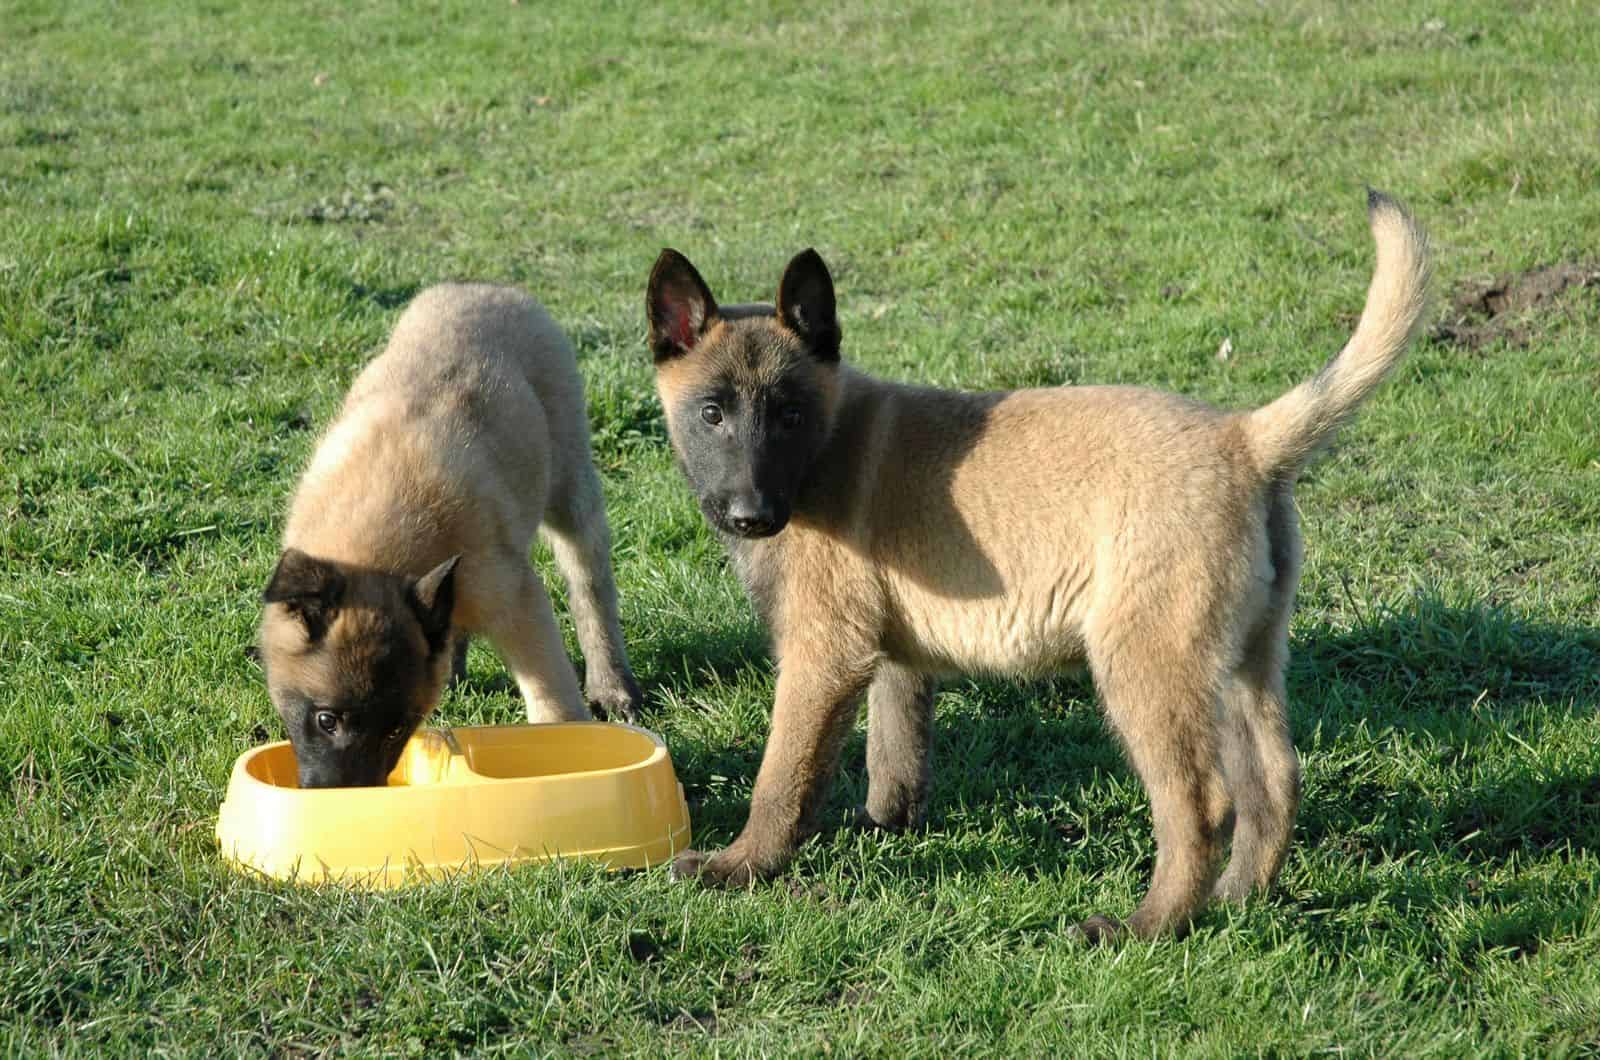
1513,308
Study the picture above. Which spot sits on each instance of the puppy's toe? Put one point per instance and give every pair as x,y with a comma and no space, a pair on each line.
859,818
716,870
615,701
1099,930
1232,891
686,866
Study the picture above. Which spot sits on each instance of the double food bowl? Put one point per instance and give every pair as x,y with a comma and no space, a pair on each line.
460,799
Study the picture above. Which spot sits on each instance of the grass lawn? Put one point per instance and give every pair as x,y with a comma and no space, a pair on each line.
210,214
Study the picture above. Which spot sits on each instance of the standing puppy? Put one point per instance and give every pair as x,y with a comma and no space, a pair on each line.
411,529
891,533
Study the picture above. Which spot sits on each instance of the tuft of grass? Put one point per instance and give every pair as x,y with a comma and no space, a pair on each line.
213,215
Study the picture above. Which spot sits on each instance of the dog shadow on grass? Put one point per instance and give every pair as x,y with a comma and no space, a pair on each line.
1446,687
1402,723
1438,751
669,662
721,655
391,296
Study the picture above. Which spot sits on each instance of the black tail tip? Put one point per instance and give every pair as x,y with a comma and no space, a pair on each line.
1378,200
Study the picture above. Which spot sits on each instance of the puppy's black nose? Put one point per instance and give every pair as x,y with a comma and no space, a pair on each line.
750,525
752,518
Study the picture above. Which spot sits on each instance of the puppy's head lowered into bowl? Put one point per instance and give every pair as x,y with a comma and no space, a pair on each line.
355,659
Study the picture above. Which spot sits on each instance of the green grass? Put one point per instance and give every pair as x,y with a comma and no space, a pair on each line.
212,214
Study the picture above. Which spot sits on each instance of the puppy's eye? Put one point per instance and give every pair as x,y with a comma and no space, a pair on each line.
791,417
327,721
395,733
711,414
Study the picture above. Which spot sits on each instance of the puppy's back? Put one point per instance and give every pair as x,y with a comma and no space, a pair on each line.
452,433
455,335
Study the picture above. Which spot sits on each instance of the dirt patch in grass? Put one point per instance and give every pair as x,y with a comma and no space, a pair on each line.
692,1022
369,205
1513,307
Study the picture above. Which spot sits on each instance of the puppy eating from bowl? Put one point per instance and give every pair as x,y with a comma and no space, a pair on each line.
411,528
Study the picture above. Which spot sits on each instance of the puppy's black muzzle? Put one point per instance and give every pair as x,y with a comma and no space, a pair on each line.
374,774
755,517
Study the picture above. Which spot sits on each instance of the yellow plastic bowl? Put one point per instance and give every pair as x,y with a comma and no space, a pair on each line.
461,799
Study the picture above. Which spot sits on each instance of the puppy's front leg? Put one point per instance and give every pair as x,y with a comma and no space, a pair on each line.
575,526
817,699
522,625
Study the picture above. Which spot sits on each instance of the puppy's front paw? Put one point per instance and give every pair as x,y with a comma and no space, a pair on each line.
714,870
857,819
615,699
897,817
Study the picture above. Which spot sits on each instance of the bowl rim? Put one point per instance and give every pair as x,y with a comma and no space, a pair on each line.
242,775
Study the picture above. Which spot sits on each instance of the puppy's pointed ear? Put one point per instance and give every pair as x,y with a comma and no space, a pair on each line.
679,306
805,304
309,587
433,598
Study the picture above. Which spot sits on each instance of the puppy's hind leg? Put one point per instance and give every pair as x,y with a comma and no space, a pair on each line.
522,626
1262,770
579,537
1160,696
899,742
1258,756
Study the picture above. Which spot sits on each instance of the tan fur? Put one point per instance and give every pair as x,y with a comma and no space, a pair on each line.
464,437
1148,535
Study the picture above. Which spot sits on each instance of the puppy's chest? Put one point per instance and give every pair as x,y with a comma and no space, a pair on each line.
805,581
759,567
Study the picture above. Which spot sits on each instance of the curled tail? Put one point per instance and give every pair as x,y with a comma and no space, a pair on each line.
1287,433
